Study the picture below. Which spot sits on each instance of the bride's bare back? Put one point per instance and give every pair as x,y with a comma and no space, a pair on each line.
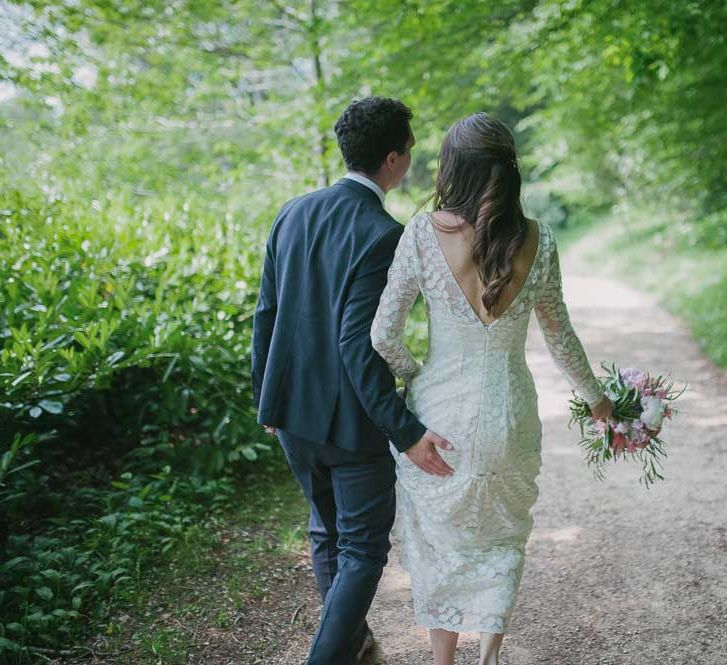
456,247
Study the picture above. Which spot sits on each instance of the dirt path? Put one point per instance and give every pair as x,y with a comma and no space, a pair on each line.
615,574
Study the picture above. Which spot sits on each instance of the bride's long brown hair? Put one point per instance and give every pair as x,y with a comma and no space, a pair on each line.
478,179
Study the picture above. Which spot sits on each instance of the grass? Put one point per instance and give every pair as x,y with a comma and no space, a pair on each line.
238,558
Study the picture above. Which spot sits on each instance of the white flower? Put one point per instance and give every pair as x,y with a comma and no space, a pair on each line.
622,427
653,412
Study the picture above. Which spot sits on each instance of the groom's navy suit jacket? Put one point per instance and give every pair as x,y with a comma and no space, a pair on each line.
315,373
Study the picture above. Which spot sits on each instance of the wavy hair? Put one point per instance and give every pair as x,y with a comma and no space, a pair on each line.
369,129
478,179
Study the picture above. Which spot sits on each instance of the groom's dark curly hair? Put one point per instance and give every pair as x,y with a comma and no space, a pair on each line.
371,128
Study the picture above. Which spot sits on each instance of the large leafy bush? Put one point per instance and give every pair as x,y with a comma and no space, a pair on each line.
124,394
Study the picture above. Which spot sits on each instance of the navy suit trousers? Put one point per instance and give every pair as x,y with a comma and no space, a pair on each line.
352,505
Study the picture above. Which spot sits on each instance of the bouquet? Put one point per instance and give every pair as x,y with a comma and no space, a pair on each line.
641,403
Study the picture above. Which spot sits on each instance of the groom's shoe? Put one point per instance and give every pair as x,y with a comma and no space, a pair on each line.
367,645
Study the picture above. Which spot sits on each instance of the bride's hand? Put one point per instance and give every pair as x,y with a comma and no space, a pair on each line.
424,454
602,410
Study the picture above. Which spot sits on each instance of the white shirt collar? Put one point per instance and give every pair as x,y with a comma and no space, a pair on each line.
357,177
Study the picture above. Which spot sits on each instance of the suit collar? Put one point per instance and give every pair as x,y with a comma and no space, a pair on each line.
362,190
367,182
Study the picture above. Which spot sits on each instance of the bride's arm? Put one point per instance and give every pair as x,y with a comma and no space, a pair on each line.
387,330
562,341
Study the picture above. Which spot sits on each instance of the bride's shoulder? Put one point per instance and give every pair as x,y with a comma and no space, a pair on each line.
547,245
543,232
419,218
416,223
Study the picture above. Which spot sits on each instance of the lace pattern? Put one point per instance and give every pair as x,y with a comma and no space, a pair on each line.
462,538
562,342
387,329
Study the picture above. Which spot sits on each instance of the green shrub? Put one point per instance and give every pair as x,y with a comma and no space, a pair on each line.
52,586
124,349
110,322
706,232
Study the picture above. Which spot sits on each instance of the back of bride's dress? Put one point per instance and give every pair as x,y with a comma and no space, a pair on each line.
463,537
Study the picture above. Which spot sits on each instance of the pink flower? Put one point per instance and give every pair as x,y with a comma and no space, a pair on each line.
661,393
641,436
630,445
618,443
633,377
600,427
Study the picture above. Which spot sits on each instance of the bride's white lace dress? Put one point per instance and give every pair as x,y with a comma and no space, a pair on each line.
462,538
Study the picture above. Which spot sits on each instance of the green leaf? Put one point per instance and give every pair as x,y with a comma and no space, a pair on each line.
82,339
108,520
9,645
170,367
249,453
15,469
12,563
115,357
20,378
52,575
79,587
51,406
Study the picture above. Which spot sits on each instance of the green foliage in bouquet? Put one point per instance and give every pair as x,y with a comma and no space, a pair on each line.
625,433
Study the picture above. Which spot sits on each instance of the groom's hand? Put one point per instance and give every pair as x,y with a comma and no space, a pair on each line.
424,454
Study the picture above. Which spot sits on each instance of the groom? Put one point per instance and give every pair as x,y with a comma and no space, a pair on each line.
318,383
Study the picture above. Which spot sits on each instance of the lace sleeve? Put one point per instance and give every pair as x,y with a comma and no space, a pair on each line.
387,330
562,341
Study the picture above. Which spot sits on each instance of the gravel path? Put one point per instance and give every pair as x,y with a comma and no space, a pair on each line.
615,573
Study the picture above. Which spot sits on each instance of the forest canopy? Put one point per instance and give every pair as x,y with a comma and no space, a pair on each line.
235,101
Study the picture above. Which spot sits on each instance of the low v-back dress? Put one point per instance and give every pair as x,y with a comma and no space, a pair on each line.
462,538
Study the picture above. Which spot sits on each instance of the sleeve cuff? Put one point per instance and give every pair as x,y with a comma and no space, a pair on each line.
406,437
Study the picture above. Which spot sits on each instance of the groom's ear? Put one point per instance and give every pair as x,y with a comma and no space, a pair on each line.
391,158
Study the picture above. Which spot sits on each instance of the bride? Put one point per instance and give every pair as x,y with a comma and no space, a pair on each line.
482,267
